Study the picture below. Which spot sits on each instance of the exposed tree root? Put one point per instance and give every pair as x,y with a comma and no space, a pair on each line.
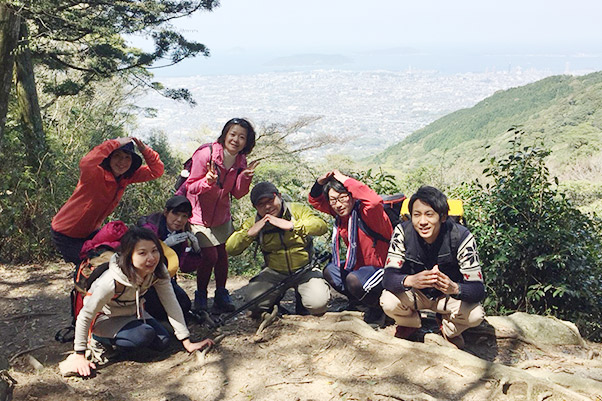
466,368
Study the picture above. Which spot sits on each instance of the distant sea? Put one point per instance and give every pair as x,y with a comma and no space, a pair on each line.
446,60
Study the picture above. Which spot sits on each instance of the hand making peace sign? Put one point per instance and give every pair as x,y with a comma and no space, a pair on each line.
250,170
211,175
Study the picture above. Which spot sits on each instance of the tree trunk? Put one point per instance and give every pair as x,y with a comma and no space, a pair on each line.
9,34
30,116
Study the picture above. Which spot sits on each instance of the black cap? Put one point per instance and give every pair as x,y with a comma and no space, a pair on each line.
177,201
262,190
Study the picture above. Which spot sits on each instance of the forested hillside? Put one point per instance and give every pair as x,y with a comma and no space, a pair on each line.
564,112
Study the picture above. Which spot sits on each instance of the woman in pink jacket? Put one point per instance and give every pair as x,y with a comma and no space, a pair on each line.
218,172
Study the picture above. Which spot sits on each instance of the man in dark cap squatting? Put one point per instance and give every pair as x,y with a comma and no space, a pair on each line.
283,231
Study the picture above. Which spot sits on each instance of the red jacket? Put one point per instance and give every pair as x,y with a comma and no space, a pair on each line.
98,192
211,203
372,213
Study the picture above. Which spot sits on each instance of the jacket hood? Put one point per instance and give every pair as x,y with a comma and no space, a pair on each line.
136,160
117,273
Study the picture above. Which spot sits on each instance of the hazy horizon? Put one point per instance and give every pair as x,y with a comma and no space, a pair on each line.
462,36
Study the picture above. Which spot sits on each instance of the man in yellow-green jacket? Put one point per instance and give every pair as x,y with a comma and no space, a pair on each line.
283,231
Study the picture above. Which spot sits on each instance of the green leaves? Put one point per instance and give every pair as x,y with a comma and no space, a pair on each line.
539,253
86,39
380,181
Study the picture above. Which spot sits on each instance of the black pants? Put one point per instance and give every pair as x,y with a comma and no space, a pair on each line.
69,247
153,305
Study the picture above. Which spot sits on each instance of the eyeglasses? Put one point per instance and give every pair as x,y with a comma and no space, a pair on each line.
342,199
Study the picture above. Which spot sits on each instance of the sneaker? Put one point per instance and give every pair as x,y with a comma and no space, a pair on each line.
222,301
200,302
374,315
457,341
404,332
100,353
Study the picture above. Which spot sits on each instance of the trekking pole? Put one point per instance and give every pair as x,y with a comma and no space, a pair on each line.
316,261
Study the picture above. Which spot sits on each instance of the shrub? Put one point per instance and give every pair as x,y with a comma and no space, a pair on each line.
539,253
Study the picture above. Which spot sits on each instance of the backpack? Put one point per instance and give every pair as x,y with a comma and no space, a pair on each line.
181,187
89,269
86,273
456,210
392,205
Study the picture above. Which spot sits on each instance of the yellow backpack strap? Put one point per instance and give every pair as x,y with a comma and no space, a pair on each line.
173,262
405,210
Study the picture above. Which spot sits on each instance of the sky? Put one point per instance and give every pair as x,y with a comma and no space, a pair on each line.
243,35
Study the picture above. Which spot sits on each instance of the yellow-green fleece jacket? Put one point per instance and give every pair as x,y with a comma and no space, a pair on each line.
283,250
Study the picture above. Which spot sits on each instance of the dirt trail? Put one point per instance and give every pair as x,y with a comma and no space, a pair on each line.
334,357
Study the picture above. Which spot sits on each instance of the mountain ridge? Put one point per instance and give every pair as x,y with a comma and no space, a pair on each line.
562,111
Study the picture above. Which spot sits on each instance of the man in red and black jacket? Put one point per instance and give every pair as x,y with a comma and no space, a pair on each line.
354,205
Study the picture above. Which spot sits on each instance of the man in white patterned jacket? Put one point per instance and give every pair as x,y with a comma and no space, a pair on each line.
433,264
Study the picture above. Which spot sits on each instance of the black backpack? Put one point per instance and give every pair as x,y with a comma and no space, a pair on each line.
180,187
392,205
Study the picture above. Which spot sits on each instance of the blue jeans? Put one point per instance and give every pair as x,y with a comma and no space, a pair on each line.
138,334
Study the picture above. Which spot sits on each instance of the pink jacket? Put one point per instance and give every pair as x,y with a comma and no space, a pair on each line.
211,203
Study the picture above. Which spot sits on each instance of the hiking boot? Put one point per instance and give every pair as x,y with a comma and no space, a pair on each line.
222,302
404,332
374,316
100,353
200,302
352,305
299,308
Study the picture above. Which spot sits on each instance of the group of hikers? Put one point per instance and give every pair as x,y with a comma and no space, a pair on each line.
429,262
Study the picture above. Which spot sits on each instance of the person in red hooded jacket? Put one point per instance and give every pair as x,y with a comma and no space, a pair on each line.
104,174
360,275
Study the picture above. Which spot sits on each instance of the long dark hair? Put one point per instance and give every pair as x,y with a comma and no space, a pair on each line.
250,134
126,250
